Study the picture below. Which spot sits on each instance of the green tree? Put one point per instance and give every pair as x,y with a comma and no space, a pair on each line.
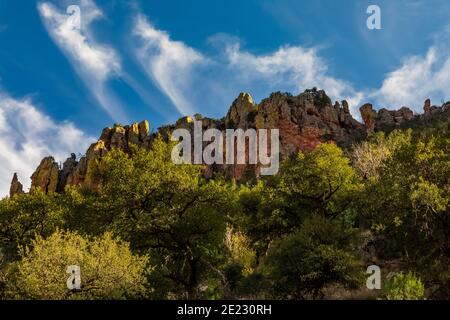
108,269
404,287
320,254
407,207
368,157
317,183
25,216
163,209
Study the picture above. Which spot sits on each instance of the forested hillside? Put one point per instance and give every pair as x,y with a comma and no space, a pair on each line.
347,196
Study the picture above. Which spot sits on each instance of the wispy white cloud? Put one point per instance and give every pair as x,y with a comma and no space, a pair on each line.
415,76
27,135
190,78
167,62
93,62
196,81
292,66
418,78
409,82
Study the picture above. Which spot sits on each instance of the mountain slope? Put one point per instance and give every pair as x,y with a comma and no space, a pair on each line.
303,121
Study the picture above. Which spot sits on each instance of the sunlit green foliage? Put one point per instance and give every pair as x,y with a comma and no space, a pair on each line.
169,211
404,287
108,269
320,182
318,255
407,207
319,223
25,216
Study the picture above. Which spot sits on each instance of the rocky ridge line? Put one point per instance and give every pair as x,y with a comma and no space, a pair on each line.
303,121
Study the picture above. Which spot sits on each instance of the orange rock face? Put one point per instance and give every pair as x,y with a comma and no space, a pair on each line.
16,186
384,118
368,116
46,176
427,107
303,121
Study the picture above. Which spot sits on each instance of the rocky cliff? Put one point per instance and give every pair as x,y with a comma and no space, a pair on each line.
51,177
16,186
385,120
303,121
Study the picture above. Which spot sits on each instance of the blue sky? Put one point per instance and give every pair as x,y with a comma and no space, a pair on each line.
159,60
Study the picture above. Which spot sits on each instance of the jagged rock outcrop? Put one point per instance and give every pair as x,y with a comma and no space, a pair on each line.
375,121
16,186
427,107
432,109
46,176
303,121
369,117
395,117
307,119
242,112
68,167
446,107
49,177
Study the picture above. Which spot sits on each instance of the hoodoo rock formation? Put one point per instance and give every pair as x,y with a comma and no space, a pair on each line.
303,122
16,186
46,176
